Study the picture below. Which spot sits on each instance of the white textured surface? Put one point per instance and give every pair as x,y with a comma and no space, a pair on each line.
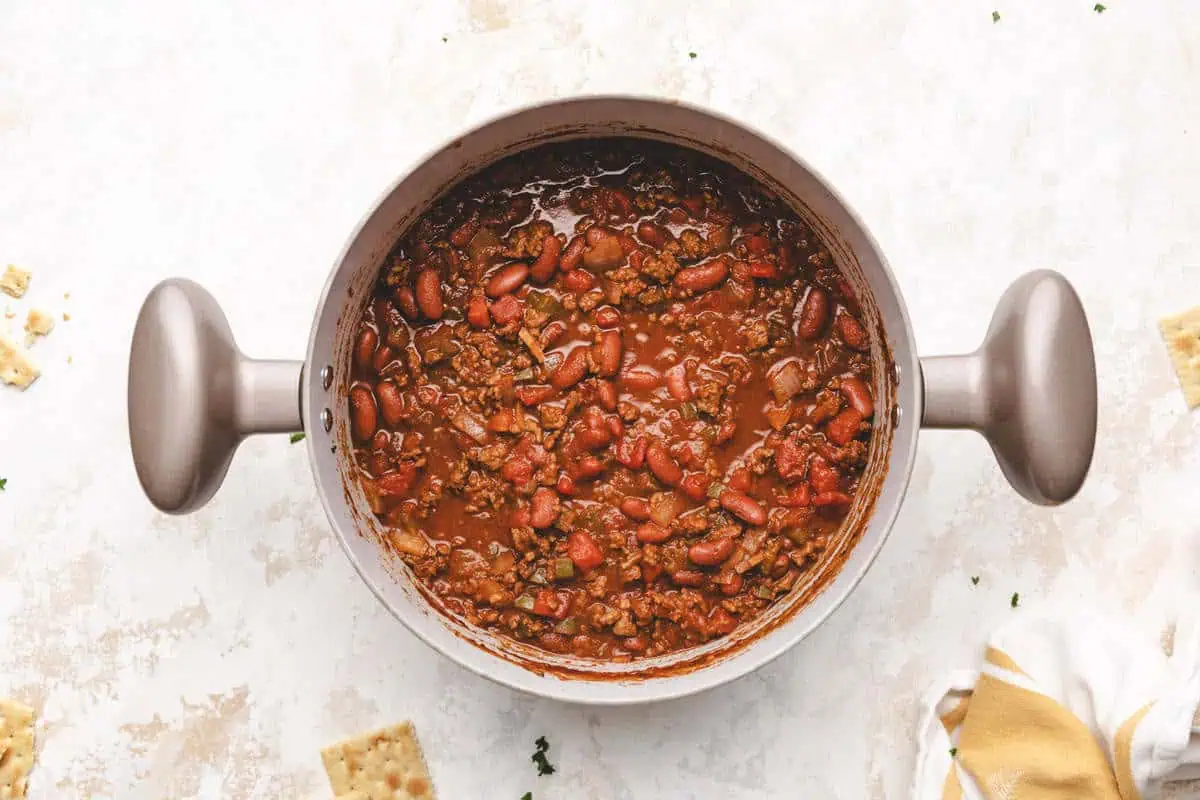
238,144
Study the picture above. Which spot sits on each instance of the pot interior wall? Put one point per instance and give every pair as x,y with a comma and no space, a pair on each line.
892,449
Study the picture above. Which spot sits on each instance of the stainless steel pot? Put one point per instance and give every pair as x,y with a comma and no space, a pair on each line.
1030,389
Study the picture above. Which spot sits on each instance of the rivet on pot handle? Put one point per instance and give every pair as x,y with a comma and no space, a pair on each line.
1030,389
193,396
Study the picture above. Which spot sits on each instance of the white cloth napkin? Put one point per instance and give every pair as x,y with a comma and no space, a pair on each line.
1065,706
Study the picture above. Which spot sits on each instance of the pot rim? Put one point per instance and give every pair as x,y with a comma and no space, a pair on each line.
754,655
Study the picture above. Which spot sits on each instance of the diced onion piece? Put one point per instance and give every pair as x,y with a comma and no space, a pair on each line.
568,627
786,381
779,414
470,425
715,489
409,542
532,343
524,602
763,592
665,507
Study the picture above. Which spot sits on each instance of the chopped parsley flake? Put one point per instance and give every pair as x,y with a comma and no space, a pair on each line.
995,16
544,767
446,39
296,437
974,580
1100,8
691,55
1016,598
953,753
3,483
527,796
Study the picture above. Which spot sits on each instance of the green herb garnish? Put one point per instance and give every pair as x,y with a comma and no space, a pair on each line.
3,483
691,55
1016,598
953,752
296,437
1099,8
444,39
995,16
974,580
544,767
527,796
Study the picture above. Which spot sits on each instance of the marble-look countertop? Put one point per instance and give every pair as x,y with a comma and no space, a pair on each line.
238,144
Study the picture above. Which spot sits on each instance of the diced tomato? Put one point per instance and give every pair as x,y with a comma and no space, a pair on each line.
549,603
790,459
582,549
797,497
506,309
631,451
517,470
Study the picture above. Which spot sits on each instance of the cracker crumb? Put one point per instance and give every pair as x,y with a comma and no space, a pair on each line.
38,323
15,282
1181,333
15,367
383,765
66,317
16,748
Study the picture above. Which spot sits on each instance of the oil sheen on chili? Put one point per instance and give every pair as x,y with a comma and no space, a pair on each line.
611,398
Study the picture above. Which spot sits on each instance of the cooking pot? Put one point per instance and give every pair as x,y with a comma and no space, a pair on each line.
1030,389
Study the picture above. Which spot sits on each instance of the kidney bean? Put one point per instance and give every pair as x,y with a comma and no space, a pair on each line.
543,508
822,477
677,383
606,395
640,378
663,465
587,468
364,348
604,249
391,402
606,353
636,508
739,480
832,499
565,485
607,317
381,440
652,533
763,269
616,426
631,451
552,333
579,280
710,552
732,585
842,429
364,415
571,370
546,264
702,277
406,301
593,438
688,577
506,309
582,549
743,506
532,395
477,312
852,332
825,410
858,396
695,485
507,279
813,314
654,235
758,245
797,497
383,357
397,332
428,291
573,254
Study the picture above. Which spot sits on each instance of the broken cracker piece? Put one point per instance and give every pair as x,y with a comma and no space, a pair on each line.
1181,332
16,748
15,282
38,323
386,764
16,368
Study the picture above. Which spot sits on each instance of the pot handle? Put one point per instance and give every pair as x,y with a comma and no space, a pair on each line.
193,396
1030,389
